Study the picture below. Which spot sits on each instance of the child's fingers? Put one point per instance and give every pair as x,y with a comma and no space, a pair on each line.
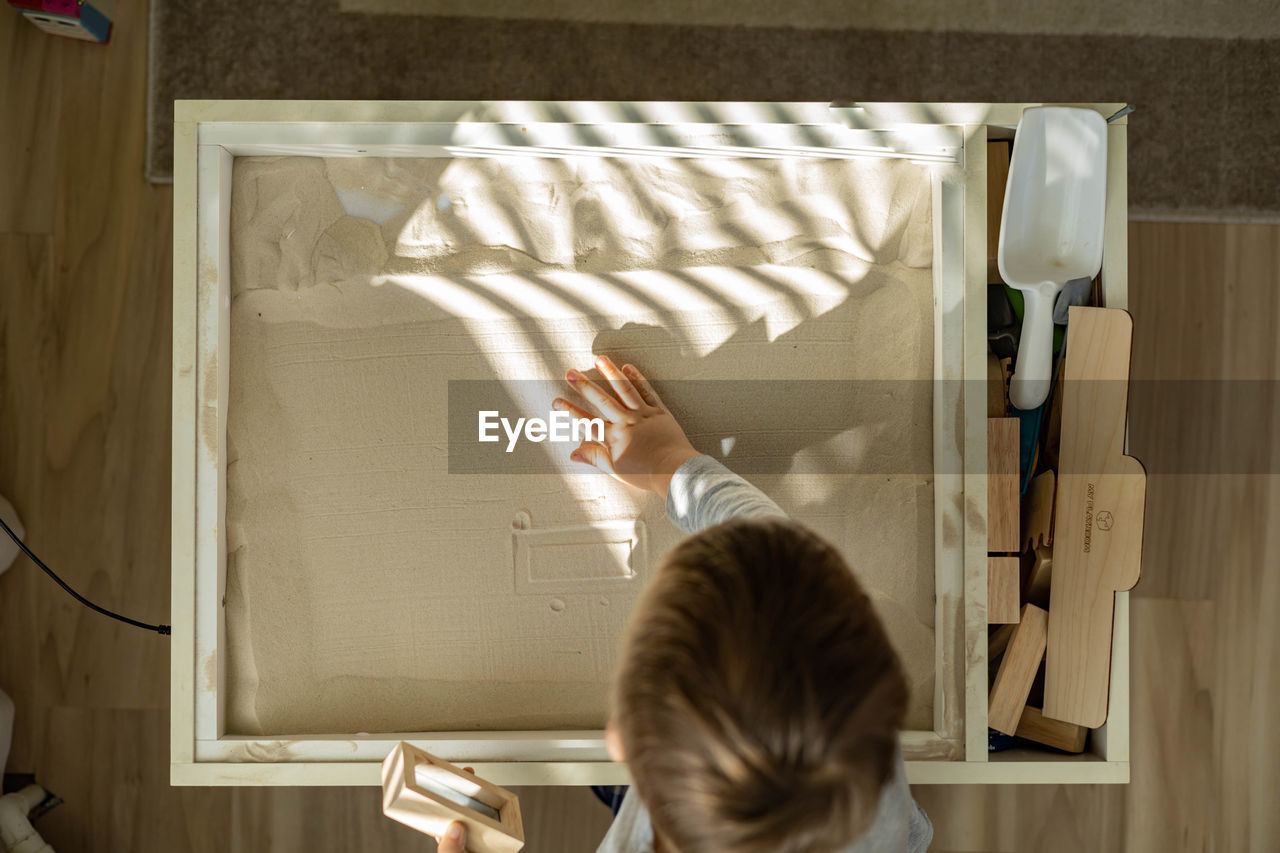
596,396
577,411
594,454
642,385
455,838
621,385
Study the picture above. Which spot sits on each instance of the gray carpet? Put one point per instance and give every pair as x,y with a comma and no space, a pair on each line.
1216,18
1202,139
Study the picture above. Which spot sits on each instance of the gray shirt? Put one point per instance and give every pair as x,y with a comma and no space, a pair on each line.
703,493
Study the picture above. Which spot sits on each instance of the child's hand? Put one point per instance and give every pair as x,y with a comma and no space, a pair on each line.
451,843
643,445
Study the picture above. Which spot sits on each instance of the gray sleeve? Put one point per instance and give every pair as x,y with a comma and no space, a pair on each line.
704,493
900,826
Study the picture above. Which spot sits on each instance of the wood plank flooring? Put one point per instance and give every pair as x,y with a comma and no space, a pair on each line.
84,456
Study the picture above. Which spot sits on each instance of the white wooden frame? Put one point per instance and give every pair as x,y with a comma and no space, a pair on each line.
950,138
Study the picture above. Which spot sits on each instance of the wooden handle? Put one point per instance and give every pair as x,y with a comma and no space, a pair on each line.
430,804
1098,517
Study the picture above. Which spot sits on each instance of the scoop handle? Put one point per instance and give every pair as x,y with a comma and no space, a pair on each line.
1029,385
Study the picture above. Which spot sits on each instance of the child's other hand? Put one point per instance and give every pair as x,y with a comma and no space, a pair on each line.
643,445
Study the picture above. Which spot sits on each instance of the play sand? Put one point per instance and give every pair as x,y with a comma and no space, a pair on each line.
369,589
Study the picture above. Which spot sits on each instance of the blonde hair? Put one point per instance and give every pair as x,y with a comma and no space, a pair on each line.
758,698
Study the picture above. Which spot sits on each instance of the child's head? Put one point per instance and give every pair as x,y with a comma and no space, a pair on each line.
758,700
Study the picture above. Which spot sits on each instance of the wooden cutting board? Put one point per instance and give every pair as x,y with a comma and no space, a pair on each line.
1097,545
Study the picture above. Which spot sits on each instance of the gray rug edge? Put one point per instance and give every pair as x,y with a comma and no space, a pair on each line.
156,173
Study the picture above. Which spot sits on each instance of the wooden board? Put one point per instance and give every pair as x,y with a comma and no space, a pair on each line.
1017,670
1003,508
998,153
1098,518
1034,725
1004,575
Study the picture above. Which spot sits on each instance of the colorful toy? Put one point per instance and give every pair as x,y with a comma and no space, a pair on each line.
73,18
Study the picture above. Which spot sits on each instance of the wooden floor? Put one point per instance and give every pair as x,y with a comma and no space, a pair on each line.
84,456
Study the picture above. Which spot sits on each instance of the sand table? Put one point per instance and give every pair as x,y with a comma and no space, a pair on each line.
369,589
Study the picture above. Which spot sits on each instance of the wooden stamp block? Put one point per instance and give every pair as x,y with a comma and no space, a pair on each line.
1017,670
1034,725
428,794
1004,512
1004,575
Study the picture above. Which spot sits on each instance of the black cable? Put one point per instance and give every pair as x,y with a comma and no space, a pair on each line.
1123,111
159,629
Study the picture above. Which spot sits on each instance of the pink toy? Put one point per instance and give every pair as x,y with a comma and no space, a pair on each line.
72,18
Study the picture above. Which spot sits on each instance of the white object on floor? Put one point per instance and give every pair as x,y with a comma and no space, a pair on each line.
1051,227
8,549
6,728
16,833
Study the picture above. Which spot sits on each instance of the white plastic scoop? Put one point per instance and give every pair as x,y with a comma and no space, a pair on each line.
1050,228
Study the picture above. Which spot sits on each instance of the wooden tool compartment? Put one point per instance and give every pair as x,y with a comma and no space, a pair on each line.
1091,743
952,139
1047,750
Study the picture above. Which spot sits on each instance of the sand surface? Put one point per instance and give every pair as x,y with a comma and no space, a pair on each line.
371,589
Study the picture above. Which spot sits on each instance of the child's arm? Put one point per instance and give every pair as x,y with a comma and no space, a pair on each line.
644,447
704,493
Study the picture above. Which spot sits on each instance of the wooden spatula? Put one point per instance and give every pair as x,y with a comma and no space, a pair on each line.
1098,518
